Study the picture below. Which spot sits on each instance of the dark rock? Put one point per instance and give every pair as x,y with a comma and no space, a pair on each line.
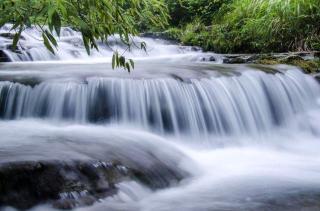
67,185
317,77
4,57
212,59
196,48
316,54
26,184
208,59
236,60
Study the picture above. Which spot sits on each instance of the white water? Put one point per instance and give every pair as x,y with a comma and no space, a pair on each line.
71,49
250,140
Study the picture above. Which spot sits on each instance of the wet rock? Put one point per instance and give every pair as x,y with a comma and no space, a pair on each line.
209,59
317,77
65,185
4,57
234,60
196,48
291,58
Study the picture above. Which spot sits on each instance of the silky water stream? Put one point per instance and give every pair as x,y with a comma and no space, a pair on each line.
201,135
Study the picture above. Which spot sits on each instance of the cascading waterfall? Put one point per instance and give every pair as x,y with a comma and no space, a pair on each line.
250,103
183,131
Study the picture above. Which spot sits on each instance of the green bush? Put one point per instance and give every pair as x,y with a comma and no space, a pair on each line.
186,11
277,25
248,26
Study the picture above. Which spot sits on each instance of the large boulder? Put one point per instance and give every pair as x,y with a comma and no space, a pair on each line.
66,185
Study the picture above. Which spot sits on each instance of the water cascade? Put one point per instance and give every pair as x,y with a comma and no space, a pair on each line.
181,132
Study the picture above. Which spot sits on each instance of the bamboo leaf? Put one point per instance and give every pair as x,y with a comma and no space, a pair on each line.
47,43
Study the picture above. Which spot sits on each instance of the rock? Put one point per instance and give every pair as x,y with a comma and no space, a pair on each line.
291,58
196,48
316,54
317,77
66,185
208,59
212,59
236,60
4,57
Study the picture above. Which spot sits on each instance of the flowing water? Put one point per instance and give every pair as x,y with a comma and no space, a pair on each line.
247,136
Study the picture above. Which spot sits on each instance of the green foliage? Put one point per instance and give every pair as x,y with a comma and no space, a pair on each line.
196,33
186,11
259,25
247,26
95,19
174,33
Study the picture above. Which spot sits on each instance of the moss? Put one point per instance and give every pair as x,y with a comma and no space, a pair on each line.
268,61
308,66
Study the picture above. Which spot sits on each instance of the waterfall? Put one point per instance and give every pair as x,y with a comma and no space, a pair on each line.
182,131
250,103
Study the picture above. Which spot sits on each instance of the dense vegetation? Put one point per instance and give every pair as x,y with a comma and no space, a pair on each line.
231,26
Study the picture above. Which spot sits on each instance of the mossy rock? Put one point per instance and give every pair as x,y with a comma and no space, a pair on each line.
268,61
308,66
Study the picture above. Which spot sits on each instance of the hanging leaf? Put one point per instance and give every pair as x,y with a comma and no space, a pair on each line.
56,21
86,44
47,43
132,63
127,67
51,38
113,61
16,38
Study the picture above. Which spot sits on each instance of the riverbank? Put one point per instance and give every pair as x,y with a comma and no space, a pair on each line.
308,61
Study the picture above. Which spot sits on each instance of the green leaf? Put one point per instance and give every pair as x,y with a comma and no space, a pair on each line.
127,67
113,61
122,60
47,43
16,38
132,63
56,21
51,38
86,44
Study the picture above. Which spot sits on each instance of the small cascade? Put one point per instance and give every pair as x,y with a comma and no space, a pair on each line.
71,48
249,103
